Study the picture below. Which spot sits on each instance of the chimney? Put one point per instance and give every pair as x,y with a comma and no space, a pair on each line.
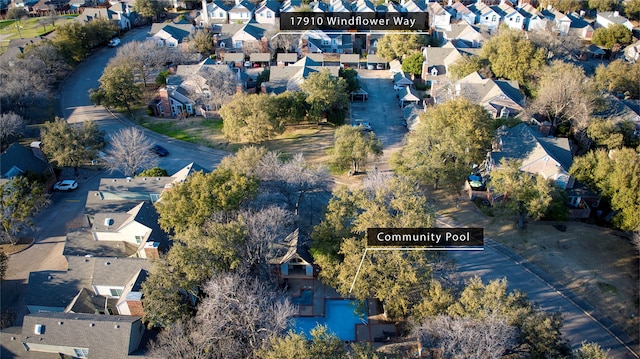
450,3
151,250
237,2
164,101
205,13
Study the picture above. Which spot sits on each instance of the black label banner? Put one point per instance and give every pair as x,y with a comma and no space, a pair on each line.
425,237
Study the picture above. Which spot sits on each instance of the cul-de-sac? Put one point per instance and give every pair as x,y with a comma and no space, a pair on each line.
320,179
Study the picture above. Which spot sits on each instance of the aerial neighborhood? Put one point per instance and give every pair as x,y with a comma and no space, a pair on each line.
194,179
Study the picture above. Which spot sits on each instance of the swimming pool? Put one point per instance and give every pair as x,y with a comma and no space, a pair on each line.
341,317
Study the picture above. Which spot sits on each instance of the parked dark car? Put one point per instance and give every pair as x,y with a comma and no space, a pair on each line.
160,151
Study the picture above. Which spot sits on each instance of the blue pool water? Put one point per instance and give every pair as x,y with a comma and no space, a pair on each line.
305,298
340,318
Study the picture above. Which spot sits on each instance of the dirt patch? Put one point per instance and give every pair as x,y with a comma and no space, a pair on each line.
598,264
22,244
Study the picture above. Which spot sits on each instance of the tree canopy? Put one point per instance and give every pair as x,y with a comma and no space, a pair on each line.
467,65
612,37
75,40
603,5
632,9
617,176
20,199
565,6
449,139
130,152
11,125
326,95
619,77
149,8
352,146
413,64
71,144
393,45
250,118
118,88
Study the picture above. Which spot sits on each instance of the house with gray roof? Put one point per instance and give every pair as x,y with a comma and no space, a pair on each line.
316,41
18,160
500,98
463,35
560,22
550,157
66,291
439,18
608,18
217,12
437,61
82,335
289,258
289,78
485,15
251,37
170,34
285,59
509,16
459,11
580,27
120,18
533,19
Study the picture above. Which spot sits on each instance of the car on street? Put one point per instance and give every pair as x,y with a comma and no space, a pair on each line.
160,151
363,126
114,42
380,67
65,185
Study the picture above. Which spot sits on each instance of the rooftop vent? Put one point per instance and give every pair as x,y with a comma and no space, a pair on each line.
38,329
108,221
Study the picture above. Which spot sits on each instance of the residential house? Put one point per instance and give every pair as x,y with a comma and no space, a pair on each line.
509,16
82,335
390,7
608,18
251,38
533,19
170,35
112,14
363,6
268,12
619,111
550,157
18,160
463,35
501,98
579,27
289,78
216,12
407,96
437,61
439,18
242,12
317,41
89,285
561,23
413,6
137,227
460,12
632,52
485,15
291,259
290,5
339,6
319,6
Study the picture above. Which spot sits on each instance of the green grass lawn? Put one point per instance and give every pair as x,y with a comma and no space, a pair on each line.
15,29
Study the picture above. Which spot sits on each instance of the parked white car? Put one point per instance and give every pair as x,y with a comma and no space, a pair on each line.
114,42
65,185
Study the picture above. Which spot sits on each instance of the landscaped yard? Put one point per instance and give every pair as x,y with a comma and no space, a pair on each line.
31,27
598,264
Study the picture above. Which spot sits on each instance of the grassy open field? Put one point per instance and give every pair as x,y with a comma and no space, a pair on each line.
30,27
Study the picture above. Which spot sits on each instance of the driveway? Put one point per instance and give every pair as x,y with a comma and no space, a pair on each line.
382,111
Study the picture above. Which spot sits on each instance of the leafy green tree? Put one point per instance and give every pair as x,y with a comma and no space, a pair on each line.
291,107
20,200
4,263
325,94
118,88
392,45
154,172
606,134
250,118
71,144
351,77
565,6
632,9
413,64
617,176
352,147
161,79
603,5
566,97
448,140
75,41
436,300
512,56
150,9
244,161
467,65
523,194
192,203
619,76
612,37
16,13
291,346
397,278
590,351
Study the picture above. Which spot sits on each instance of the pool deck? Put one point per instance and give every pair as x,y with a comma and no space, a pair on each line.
377,329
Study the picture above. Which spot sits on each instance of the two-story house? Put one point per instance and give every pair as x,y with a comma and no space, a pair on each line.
561,22
459,11
120,18
216,12
485,15
322,42
608,18
268,12
171,35
509,16
533,19
439,18
242,12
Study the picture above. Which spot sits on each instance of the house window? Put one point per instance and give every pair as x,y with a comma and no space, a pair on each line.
325,42
237,44
154,197
269,15
504,113
138,239
171,44
220,14
333,41
206,94
115,292
517,19
81,353
493,18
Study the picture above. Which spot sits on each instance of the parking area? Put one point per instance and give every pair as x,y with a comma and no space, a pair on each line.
381,111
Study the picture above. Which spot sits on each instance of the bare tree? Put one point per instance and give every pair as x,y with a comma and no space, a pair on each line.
46,53
145,58
464,337
11,125
131,152
293,178
23,83
237,315
214,86
282,40
264,227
